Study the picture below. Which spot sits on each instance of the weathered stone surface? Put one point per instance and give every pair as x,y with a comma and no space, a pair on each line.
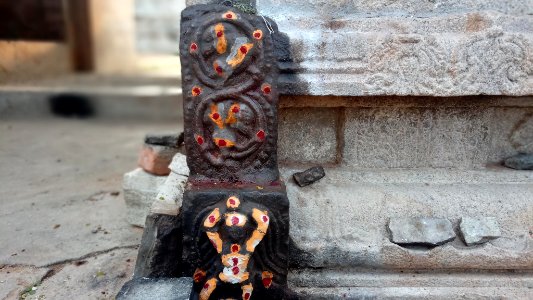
520,162
155,159
140,191
156,289
308,135
309,176
15,280
407,137
169,140
160,251
477,231
179,165
425,231
440,48
340,221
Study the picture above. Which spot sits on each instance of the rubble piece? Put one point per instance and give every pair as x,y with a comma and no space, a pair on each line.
155,159
309,176
476,231
161,288
520,162
140,191
169,140
424,231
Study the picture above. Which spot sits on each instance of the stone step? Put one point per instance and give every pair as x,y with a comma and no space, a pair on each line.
341,220
146,98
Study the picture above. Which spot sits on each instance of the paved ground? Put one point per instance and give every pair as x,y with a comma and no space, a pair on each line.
63,224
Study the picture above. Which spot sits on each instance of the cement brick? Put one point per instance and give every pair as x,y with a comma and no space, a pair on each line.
308,135
140,191
397,137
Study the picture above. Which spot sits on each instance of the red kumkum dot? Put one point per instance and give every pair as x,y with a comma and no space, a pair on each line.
215,116
246,296
220,34
200,140
243,49
235,261
235,270
229,16
206,286
265,219
194,47
222,143
267,282
232,201
196,91
219,69
234,220
235,109
234,248
212,219
257,35
261,134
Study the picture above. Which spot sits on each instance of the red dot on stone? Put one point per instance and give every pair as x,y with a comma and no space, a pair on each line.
243,49
196,91
222,143
220,34
235,270
212,219
215,116
267,282
261,134
265,219
267,89
235,261
246,296
229,16
235,109
235,248
194,47
200,140
257,35
219,69
234,220
206,286
232,201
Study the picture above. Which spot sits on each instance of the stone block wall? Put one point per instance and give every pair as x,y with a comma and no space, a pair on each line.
404,132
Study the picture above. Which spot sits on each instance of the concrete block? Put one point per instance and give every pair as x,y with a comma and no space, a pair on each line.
140,190
308,135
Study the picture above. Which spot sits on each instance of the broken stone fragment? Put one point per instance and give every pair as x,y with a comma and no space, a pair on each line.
309,176
424,231
520,162
169,140
160,288
477,231
156,159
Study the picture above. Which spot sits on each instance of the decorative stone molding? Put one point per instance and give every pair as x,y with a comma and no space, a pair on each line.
438,48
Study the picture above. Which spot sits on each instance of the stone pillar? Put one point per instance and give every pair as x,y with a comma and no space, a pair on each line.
235,209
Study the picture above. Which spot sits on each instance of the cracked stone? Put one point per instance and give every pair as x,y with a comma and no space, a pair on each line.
520,162
309,176
162,288
476,231
424,231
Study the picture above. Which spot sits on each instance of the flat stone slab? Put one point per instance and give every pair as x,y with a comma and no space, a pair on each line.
140,191
477,231
424,231
156,289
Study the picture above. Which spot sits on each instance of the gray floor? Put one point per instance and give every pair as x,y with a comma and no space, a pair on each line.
63,225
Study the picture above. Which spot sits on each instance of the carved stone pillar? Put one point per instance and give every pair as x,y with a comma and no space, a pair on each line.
235,209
